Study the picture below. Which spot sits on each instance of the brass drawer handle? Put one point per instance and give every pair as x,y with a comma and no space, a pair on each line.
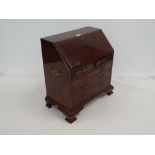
55,72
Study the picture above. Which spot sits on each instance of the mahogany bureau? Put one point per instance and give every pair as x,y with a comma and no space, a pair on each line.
77,67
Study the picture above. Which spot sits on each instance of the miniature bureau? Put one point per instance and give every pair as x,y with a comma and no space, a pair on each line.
77,67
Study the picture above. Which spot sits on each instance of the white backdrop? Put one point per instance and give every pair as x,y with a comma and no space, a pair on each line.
132,40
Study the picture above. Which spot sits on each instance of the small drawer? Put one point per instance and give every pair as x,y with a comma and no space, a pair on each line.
79,71
102,61
104,69
83,69
107,65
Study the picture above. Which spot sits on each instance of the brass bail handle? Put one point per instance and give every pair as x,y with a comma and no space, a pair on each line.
55,72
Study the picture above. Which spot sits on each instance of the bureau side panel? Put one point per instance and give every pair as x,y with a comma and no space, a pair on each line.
56,75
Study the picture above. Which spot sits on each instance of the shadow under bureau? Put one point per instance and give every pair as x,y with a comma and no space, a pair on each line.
77,67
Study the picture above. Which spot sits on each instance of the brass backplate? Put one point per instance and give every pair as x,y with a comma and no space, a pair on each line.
55,72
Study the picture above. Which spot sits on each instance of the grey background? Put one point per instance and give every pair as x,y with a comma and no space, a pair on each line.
133,41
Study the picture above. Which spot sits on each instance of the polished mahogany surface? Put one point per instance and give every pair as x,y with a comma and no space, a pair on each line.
77,67
79,47
70,34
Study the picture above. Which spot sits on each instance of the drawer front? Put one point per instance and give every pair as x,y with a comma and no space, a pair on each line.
83,69
83,96
90,82
103,61
83,79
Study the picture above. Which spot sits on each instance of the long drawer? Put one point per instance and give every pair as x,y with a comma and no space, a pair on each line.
87,84
82,96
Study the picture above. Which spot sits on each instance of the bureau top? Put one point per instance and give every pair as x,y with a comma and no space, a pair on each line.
70,34
81,46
